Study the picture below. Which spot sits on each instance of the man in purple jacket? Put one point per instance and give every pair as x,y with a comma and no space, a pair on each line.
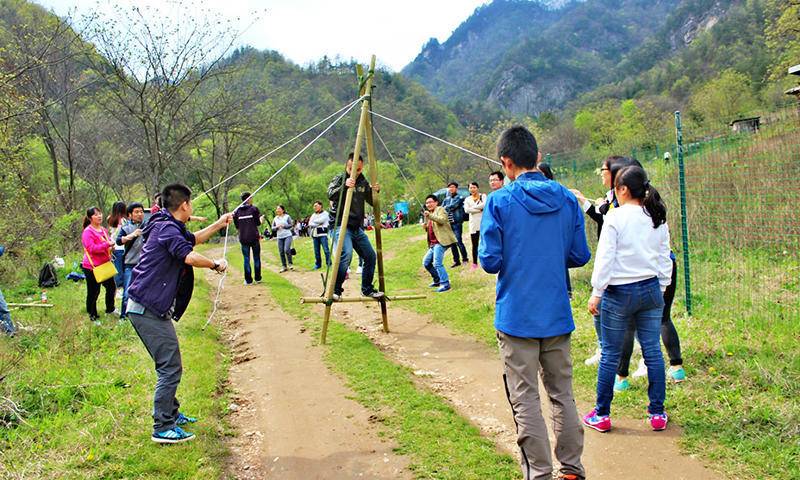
247,218
160,291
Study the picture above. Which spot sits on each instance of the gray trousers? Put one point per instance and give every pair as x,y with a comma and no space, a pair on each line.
524,360
161,342
285,250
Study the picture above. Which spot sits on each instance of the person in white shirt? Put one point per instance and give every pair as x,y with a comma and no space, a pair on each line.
473,205
318,225
632,269
282,224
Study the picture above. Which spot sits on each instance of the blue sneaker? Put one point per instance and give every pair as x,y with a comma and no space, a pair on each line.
434,285
443,288
621,384
173,435
677,373
183,419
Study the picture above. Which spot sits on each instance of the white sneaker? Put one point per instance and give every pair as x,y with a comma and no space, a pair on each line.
359,270
594,359
641,370
119,293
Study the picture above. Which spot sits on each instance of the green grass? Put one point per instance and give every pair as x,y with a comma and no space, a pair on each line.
440,443
87,392
741,399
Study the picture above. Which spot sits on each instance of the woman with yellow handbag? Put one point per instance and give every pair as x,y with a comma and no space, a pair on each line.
97,264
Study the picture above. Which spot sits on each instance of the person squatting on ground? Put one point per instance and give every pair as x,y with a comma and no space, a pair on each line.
282,224
631,273
247,219
319,224
440,237
531,231
97,246
130,237
473,205
354,238
160,293
453,204
5,314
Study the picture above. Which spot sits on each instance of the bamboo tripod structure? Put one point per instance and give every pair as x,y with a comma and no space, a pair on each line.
364,133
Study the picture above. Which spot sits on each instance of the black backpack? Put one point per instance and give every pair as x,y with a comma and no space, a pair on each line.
47,276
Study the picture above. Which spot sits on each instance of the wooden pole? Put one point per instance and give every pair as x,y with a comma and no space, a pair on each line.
31,305
345,209
362,299
376,209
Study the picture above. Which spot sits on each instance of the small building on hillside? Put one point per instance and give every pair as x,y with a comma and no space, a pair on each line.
794,90
746,125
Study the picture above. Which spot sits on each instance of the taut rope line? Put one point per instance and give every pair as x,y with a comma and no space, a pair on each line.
435,138
277,172
346,107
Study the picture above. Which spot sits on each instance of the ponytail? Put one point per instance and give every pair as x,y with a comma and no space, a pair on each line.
635,178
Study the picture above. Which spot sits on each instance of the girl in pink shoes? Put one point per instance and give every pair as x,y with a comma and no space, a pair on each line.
632,269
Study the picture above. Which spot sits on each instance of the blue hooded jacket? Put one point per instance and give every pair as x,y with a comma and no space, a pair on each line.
532,231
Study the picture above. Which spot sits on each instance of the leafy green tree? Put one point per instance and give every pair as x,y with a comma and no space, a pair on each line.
723,99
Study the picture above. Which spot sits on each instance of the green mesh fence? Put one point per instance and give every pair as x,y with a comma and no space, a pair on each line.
743,213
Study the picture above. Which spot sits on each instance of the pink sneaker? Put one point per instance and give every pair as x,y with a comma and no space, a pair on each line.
474,267
600,423
658,421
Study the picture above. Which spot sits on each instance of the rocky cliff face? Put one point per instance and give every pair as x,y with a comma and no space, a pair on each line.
528,57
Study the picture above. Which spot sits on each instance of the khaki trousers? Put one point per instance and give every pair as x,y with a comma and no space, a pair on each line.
524,359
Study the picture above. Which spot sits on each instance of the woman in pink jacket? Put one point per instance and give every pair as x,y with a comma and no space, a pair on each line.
97,243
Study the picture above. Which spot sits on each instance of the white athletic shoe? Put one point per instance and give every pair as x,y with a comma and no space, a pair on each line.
359,270
641,370
594,359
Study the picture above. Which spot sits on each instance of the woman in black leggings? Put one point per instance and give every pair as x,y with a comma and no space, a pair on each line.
669,336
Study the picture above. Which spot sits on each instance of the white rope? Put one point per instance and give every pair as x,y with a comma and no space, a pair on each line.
436,138
220,285
346,107
380,139
289,162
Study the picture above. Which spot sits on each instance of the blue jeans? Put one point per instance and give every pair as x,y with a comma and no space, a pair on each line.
433,264
127,271
321,242
355,239
640,303
119,264
248,273
5,316
459,245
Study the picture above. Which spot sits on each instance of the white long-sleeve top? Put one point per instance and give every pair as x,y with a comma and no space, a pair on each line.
319,220
631,250
475,210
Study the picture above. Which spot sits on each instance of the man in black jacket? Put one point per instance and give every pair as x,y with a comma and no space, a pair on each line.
355,238
454,206
247,219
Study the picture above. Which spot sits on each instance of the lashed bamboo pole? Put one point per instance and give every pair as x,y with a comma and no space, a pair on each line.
345,209
363,299
376,209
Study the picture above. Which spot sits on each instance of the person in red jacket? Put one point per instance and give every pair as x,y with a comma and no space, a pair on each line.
97,245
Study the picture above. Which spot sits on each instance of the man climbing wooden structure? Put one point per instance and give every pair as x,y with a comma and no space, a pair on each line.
364,133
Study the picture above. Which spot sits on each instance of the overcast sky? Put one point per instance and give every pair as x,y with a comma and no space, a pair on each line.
305,30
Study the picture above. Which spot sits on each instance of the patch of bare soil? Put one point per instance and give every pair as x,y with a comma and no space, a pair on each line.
469,375
293,417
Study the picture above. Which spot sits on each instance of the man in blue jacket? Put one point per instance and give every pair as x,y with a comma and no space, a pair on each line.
531,232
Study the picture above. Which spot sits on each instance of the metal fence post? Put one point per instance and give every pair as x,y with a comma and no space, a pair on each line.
687,278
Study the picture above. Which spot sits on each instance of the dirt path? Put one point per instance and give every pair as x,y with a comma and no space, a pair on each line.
293,416
469,374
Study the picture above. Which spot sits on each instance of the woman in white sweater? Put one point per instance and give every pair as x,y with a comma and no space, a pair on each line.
473,205
631,271
282,224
